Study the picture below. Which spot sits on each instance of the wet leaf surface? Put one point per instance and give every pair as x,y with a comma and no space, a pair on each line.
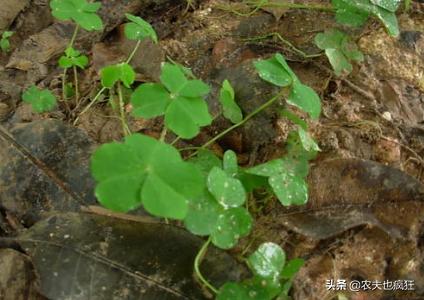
83,256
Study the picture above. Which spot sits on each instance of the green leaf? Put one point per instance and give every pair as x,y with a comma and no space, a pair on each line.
111,74
291,268
229,163
339,50
194,89
82,12
185,116
294,118
305,98
5,45
348,14
268,261
40,100
202,215
308,143
205,160
7,34
272,71
172,77
150,100
145,171
228,191
390,5
73,58
232,224
139,29
230,108
233,291
289,189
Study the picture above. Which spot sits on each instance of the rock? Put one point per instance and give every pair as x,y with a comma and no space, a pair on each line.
9,11
387,151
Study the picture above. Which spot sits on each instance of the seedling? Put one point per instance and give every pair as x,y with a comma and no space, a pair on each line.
40,100
339,49
276,71
356,12
176,97
4,41
272,276
139,29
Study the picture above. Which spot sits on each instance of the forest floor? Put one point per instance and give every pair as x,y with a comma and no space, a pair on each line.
364,219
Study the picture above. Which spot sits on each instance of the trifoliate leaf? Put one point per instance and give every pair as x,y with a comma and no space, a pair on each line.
272,71
232,224
40,100
73,58
185,116
111,74
339,50
139,29
150,100
228,191
305,98
145,171
267,261
173,78
194,88
4,41
81,11
202,215
230,108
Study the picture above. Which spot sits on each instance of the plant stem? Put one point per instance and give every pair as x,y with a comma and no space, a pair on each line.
90,104
286,42
74,36
163,133
197,262
64,84
71,43
247,118
125,127
133,52
76,85
291,5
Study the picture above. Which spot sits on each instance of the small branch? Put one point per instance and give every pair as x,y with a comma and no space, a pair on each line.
197,261
133,52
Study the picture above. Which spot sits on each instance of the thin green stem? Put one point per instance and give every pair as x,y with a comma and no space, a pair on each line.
197,262
291,5
286,42
76,85
90,104
74,36
125,127
175,140
64,84
247,118
133,52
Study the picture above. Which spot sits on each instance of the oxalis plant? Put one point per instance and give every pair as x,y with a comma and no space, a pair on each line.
207,193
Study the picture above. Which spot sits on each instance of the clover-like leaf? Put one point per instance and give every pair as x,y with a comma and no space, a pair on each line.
256,288
305,98
230,108
40,100
185,116
272,71
111,74
232,224
267,261
289,187
308,143
144,171
202,215
356,12
228,191
180,99
339,50
80,11
233,291
139,29
72,58
150,100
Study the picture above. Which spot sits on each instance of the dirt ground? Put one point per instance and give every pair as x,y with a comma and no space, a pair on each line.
365,216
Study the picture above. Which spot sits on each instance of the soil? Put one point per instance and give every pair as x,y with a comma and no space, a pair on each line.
365,216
